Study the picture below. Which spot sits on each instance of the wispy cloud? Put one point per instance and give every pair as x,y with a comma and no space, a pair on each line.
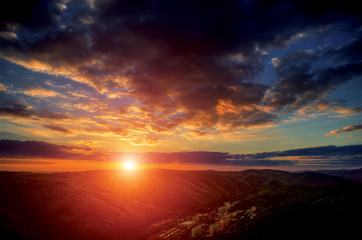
17,109
41,92
346,129
40,149
56,128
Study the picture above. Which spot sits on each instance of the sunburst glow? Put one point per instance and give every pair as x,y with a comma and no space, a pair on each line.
129,165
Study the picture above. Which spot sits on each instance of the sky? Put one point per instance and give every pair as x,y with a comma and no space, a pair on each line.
191,84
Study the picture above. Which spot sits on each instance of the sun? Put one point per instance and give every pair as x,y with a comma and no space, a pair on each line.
129,165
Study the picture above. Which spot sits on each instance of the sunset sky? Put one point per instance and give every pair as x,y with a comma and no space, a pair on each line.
189,84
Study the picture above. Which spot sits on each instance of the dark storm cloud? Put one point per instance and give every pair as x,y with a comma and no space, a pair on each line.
351,52
181,55
31,13
203,25
302,82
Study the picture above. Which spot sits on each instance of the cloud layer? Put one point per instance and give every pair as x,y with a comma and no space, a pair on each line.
183,63
111,77
323,156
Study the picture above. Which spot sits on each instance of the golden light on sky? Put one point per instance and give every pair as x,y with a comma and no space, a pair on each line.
92,82
129,165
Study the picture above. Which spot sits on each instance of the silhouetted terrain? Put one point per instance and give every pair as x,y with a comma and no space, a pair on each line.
300,212
355,174
117,205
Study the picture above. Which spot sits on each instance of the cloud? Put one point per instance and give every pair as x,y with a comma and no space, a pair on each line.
40,149
347,156
16,109
343,112
346,129
323,156
275,62
8,35
323,151
31,14
56,128
301,84
185,63
3,88
41,92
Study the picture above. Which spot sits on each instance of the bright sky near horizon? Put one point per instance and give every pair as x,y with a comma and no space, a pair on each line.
186,84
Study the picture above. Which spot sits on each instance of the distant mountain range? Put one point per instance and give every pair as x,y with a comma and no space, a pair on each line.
119,205
355,174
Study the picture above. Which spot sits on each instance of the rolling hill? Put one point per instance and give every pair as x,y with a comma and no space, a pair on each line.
118,205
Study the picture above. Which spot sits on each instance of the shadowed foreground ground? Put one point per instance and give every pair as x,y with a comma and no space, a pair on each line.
117,205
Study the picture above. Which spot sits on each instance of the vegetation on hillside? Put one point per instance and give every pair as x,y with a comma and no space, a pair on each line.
116,205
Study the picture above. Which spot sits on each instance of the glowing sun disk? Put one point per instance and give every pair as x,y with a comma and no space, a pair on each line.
129,165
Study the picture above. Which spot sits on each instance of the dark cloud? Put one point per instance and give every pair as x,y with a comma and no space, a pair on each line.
39,149
14,108
31,14
327,152
334,151
56,128
182,56
213,26
349,155
351,52
301,82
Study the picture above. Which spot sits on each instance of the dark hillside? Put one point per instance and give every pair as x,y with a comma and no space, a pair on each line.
106,204
317,180
116,205
355,174
300,213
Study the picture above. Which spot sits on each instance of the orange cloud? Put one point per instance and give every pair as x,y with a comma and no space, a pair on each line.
3,88
226,106
41,92
346,129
